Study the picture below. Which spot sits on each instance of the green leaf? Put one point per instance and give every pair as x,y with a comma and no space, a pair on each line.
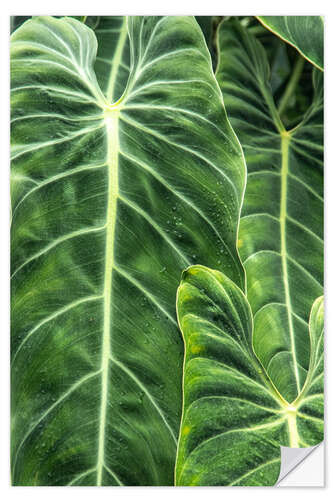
305,33
113,55
208,25
234,420
112,51
281,228
110,202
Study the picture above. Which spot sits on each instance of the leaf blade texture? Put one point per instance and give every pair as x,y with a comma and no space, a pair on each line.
234,420
305,33
281,227
111,200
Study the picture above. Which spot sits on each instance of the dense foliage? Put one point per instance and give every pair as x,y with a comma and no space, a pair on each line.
150,155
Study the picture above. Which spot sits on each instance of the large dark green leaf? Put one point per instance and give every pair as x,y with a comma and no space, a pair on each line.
111,200
281,229
234,420
305,33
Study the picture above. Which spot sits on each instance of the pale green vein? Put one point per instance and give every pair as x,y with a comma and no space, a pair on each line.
29,44
287,257
252,471
110,62
145,292
132,376
292,428
116,61
157,83
239,400
306,229
112,474
279,304
167,55
285,139
56,242
219,338
309,188
304,270
241,429
303,153
261,252
157,228
55,178
81,476
57,116
111,124
193,152
57,313
172,109
151,37
41,145
57,90
16,177
219,365
65,395
175,192
309,417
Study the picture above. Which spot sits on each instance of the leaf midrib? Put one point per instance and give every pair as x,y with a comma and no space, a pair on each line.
285,140
286,137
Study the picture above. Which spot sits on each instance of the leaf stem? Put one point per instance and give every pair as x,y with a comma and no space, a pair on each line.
296,74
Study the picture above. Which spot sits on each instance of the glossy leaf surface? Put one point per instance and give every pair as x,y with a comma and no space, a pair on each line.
234,420
305,33
112,51
281,228
110,201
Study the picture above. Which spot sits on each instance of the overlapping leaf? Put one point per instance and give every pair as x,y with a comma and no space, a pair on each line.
281,229
305,33
110,202
234,420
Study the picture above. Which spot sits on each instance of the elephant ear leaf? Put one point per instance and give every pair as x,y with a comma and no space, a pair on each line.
234,420
111,201
305,33
281,227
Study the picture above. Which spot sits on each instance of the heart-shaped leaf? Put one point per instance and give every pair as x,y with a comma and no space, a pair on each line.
111,200
234,420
